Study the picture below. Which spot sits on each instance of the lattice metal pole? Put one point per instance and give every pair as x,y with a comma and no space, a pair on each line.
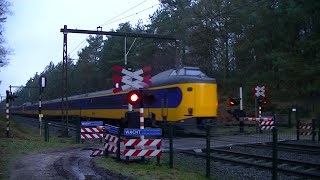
64,100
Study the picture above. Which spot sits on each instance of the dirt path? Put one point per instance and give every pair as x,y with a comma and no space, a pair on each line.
70,163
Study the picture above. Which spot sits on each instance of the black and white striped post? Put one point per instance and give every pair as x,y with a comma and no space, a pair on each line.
42,85
7,114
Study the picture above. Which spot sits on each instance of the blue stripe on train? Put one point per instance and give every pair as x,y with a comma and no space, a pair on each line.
118,101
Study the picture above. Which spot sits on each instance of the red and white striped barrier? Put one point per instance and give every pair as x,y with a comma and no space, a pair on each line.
111,147
257,119
91,136
111,143
142,142
96,152
90,130
111,138
150,143
142,152
266,125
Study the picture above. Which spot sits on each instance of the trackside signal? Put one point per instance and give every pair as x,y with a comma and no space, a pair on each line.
233,101
134,97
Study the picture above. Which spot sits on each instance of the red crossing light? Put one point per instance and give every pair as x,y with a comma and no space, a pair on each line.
264,102
134,97
233,102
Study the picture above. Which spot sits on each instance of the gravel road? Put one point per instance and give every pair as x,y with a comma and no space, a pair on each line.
66,163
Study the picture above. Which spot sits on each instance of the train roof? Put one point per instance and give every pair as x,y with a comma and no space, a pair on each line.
185,74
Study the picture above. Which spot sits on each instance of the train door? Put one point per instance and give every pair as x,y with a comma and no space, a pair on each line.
191,100
164,107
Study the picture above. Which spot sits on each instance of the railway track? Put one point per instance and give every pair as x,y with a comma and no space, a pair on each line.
291,167
296,148
53,124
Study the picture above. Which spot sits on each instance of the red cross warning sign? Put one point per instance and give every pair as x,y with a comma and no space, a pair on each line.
130,79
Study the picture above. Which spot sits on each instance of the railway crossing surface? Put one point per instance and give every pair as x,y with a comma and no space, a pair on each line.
194,143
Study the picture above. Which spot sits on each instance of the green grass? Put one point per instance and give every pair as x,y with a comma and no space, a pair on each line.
148,170
24,140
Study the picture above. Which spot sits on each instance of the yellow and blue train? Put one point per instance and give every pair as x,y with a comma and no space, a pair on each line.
179,94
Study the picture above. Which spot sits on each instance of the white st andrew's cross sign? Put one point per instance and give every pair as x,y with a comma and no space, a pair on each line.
260,91
131,79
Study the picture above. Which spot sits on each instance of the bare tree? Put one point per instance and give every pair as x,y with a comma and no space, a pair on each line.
4,51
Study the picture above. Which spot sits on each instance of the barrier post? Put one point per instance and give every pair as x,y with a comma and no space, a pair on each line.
78,129
318,128
208,151
298,128
313,129
48,131
274,153
158,158
171,145
45,130
289,119
241,125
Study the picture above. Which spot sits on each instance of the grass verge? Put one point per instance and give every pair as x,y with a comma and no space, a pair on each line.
22,140
148,170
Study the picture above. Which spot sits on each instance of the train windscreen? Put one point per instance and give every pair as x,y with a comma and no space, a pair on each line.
188,72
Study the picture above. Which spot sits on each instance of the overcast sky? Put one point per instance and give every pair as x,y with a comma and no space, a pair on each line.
33,30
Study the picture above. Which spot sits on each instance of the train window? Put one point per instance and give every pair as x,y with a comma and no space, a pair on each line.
194,72
173,73
179,72
187,72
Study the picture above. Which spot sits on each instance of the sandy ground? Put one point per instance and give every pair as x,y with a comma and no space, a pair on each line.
66,163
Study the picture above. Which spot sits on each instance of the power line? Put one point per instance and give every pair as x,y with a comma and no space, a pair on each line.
82,43
133,14
122,13
112,21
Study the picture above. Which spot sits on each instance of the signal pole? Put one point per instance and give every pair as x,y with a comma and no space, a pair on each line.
8,113
42,85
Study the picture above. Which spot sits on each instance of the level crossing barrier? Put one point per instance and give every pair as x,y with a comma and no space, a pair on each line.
139,145
112,140
262,123
129,145
90,130
96,152
307,129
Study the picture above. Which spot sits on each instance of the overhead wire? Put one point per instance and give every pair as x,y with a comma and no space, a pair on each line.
123,13
133,14
112,20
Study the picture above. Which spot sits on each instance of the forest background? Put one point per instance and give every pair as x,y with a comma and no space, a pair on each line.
264,42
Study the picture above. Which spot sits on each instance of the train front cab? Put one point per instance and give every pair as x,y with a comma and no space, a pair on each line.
200,102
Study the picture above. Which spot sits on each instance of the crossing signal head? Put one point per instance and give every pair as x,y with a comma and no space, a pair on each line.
134,97
262,100
233,101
